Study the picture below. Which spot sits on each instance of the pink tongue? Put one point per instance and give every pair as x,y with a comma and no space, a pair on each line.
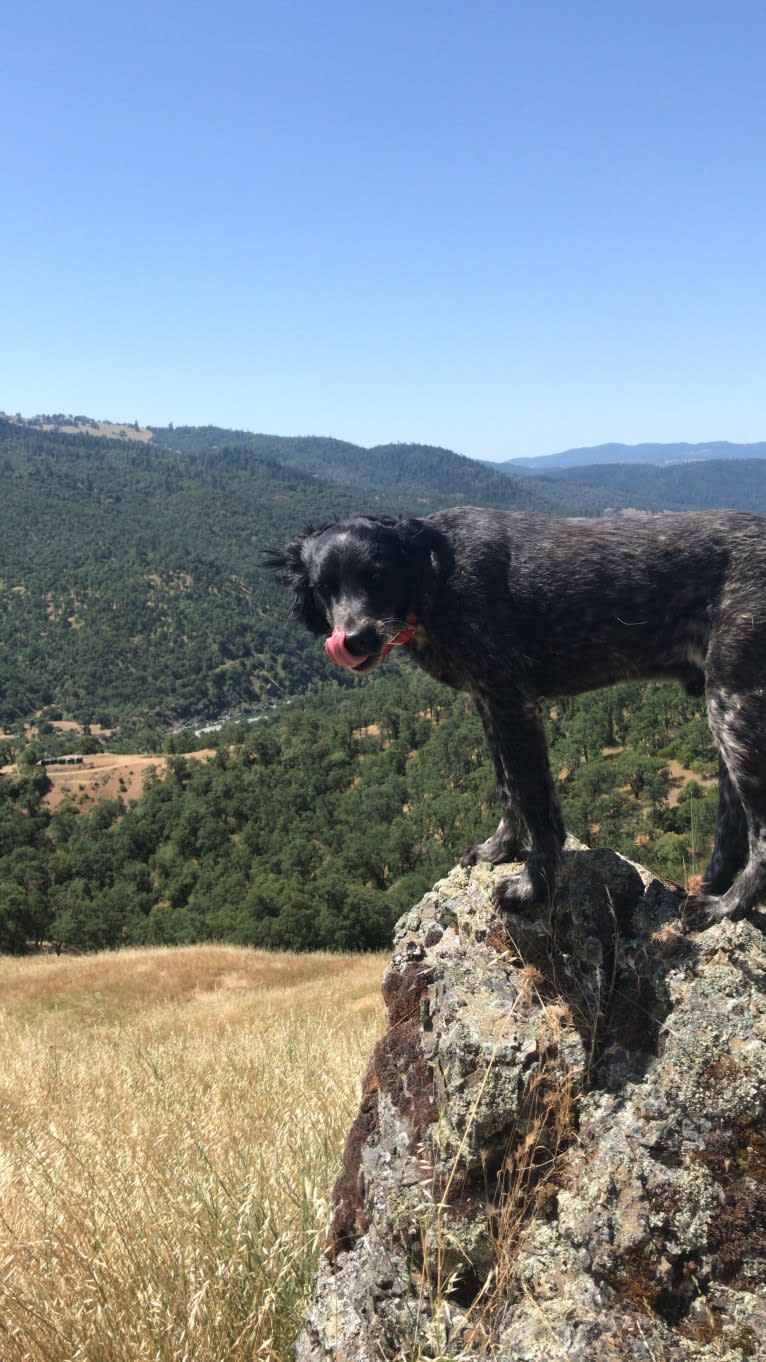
335,647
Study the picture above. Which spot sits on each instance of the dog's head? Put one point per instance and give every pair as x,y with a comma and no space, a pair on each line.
360,581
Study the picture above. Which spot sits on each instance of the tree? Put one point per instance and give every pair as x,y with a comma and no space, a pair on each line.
17,918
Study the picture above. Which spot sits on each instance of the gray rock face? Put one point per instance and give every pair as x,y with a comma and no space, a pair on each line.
560,1151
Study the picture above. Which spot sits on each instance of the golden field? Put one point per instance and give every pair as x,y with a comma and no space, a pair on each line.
170,1126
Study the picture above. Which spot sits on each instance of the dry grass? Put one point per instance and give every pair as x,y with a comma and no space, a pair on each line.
170,1124
112,430
105,775
680,777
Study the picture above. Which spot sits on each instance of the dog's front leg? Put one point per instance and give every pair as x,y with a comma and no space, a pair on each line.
527,792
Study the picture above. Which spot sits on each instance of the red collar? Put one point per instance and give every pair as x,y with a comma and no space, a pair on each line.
405,635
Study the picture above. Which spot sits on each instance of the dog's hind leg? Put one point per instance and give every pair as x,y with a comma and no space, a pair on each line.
527,791
730,846
738,721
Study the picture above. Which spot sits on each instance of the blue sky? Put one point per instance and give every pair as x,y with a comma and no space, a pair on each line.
507,228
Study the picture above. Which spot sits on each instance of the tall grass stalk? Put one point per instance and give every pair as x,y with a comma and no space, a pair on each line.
170,1125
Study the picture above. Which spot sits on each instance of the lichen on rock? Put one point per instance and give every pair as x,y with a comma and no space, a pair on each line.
560,1151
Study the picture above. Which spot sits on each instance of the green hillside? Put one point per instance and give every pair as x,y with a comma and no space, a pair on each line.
131,583
409,470
737,484
129,572
318,826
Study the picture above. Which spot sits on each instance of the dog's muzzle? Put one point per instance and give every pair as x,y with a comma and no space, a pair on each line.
335,646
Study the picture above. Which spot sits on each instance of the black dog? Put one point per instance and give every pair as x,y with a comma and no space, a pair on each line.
514,608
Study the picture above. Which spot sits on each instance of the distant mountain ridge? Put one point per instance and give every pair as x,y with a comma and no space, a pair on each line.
400,465
411,470
705,484
661,455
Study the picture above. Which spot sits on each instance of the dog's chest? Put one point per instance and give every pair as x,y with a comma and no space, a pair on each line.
440,660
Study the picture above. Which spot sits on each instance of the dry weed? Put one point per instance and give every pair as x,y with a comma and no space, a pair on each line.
170,1124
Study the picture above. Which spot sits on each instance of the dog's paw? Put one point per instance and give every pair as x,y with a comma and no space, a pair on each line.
494,852
472,855
517,891
701,910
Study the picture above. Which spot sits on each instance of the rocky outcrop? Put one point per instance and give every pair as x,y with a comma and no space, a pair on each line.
560,1151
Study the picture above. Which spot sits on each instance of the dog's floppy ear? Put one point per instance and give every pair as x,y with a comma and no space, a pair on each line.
290,568
424,540
430,556
287,564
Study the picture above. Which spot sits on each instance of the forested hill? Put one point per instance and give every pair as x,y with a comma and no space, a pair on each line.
683,487
131,585
410,470
317,827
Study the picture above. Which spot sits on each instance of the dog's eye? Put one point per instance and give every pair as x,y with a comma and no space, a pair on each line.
376,575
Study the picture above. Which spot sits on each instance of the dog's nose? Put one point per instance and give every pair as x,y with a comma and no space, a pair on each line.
335,647
361,642
348,650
